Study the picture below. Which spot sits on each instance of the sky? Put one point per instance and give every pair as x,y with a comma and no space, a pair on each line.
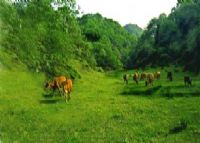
138,12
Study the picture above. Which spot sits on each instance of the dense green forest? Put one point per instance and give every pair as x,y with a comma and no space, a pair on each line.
45,39
49,40
110,41
173,39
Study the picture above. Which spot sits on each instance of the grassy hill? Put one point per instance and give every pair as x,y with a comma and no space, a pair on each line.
102,109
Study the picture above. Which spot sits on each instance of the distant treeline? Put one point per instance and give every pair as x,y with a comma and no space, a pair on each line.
47,39
173,39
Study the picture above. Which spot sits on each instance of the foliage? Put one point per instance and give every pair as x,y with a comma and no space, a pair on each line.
172,39
43,38
111,42
47,35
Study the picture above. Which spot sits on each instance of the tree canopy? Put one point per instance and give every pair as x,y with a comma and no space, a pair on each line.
47,35
44,38
111,42
172,39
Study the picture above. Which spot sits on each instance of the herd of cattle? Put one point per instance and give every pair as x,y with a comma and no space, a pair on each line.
61,83
150,77
64,84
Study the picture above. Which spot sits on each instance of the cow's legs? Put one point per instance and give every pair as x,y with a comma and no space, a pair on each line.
67,97
185,83
136,82
59,88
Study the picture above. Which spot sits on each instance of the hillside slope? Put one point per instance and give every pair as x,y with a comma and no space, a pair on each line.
102,109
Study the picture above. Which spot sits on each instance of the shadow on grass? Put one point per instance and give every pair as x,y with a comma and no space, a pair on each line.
117,117
181,126
135,92
51,94
180,94
49,99
47,95
163,91
52,101
167,92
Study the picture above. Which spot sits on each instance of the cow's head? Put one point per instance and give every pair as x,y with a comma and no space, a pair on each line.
48,85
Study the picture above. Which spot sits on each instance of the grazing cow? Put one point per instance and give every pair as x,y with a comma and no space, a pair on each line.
57,83
187,81
67,89
169,76
150,79
136,77
125,77
60,80
143,76
157,75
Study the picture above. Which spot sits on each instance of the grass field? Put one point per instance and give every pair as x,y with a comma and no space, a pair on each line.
102,110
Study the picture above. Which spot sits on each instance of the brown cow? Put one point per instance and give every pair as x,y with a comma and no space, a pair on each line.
136,77
60,80
157,75
57,83
143,76
67,89
169,76
187,81
150,79
125,77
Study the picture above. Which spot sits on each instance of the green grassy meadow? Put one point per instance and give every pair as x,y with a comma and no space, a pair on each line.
102,109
